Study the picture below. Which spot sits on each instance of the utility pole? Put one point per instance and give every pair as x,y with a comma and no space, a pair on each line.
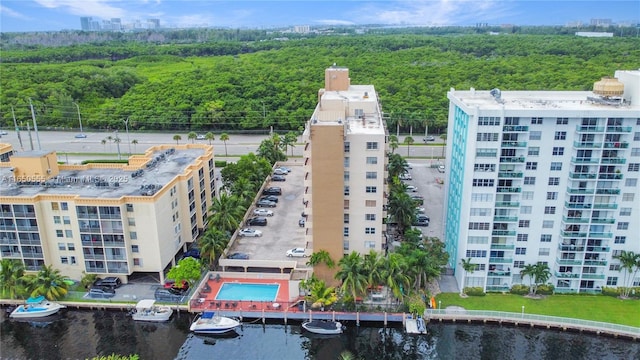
117,140
79,118
126,126
15,123
35,125
30,138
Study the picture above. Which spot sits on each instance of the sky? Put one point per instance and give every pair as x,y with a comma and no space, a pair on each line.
54,15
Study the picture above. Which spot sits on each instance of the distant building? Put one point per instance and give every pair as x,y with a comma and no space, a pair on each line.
544,177
301,29
85,23
105,219
600,22
594,34
153,23
345,170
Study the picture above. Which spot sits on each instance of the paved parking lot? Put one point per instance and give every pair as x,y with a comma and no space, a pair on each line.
425,178
282,231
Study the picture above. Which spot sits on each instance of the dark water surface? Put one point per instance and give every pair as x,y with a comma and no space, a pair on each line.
84,334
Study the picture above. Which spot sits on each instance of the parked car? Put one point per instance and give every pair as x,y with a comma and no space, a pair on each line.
283,168
421,210
441,168
101,293
201,137
421,222
109,282
265,203
279,171
412,188
278,178
3,132
405,176
429,138
183,285
194,253
274,190
273,198
302,221
238,256
81,136
296,252
262,212
248,232
166,295
257,221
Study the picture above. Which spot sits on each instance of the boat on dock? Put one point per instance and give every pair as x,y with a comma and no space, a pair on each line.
323,327
210,322
147,310
36,308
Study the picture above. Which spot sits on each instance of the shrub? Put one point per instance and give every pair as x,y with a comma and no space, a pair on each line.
519,289
609,291
220,163
545,289
416,304
474,291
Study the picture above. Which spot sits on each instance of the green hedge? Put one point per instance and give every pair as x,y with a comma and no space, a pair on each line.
545,289
520,289
220,163
474,291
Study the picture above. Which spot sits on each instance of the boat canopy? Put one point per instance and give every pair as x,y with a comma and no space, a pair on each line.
145,304
35,300
208,315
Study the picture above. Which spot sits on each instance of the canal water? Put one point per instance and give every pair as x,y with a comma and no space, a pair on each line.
77,334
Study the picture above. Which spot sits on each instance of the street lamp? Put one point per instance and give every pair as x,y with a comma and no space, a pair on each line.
79,118
117,141
522,311
126,126
439,304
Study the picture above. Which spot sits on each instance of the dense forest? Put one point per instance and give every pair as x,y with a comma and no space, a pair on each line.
236,85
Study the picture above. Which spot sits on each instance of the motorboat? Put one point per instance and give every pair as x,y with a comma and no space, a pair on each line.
36,307
210,322
147,310
420,324
323,327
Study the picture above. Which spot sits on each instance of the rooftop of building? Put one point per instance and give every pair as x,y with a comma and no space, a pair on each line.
357,97
158,167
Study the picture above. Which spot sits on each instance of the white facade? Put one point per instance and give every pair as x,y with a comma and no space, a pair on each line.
543,176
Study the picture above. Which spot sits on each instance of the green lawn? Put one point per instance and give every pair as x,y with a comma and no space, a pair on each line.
587,307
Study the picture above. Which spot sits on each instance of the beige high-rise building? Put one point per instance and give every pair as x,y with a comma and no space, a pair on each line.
105,219
345,170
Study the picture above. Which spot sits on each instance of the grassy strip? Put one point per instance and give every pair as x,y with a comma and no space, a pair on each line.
587,307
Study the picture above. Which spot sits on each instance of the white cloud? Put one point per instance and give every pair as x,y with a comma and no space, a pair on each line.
98,8
11,13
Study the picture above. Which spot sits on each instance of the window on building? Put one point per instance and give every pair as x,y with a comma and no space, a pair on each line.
370,217
562,121
614,267
480,212
71,246
527,195
482,197
521,251
623,225
347,146
543,251
372,175
68,234
535,135
635,152
372,145
556,166
346,176
135,249
522,237
346,161
131,221
518,264
483,152
371,189
628,196
137,262
345,231
56,220
476,253
55,206
558,151
612,281
62,246
346,204
531,165
552,195
370,203
536,121
524,223
483,182
345,218
346,190
369,244
477,240
66,220
133,235
488,120
129,207
479,226
372,160
631,182
529,180
620,239
64,206
547,224
625,211
345,245
560,135
370,230
487,136
533,151
525,209
636,136
554,181
634,167
549,209
484,167
545,237
59,233
64,260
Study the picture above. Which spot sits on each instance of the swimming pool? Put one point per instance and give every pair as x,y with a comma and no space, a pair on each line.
248,291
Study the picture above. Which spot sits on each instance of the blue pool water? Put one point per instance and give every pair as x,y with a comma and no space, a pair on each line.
247,291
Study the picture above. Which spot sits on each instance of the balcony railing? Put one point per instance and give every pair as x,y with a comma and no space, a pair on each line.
565,247
509,204
510,174
584,160
514,144
598,248
616,145
609,176
500,260
566,275
575,175
600,235
575,220
512,159
24,214
614,160
619,129
602,221
502,246
589,129
505,218
499,273
577,205
587,145
568,262
509,190
573,234
515,128
608,191
605,206
571,190
503,233
596,262
593,276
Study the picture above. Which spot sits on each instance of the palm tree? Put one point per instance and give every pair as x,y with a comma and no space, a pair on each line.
351,273
542,273
374,267
289,140
104,144
630,264
177,139
408,141
468,267
212,244
402,210
397,165
321,257
528,270
192,136
395,274
423,268
210,137
393,143
11,272
48,282
225,137
134,142
226,212
321,295
109,139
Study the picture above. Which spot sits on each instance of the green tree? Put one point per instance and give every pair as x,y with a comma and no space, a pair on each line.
192,136
48,282
210,137
408,141
134,142
226,212
402,210
177,139
104,144
321,295
224,137
188,269
11,273
541,273
352,275
397,166
321,257
630,264
396,274
270,149
393,143
467,267
212,244
289,141
374,265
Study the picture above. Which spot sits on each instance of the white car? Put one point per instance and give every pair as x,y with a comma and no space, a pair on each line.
441,168
201,137
412,188
262,212
420,209
405,176
248,232
296,252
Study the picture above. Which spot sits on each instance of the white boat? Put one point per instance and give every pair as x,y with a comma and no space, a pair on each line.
147,310
323,327
36,308
210,322
420,324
